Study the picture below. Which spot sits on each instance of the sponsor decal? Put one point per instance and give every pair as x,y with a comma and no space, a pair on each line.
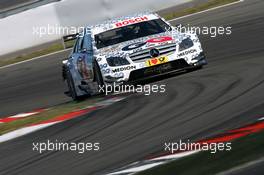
133,46
187,52
102,66
98,59
105,71
156,61
137,50
82,68
124,69
160,39
120,74
131,21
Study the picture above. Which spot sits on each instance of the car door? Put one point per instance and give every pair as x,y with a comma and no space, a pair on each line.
85,56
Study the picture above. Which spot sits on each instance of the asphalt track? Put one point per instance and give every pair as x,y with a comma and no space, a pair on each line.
32,85
225,94
256,169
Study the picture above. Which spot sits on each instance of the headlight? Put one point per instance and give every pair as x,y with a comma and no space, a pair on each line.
185,44
117,61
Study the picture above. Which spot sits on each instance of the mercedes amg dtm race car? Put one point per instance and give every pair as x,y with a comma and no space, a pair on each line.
128,49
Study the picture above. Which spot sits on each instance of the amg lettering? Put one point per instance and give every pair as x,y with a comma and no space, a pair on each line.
124,69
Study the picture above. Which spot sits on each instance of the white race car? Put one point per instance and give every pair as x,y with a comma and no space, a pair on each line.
128,49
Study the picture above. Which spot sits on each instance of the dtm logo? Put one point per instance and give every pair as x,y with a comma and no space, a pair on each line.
124,69
187,52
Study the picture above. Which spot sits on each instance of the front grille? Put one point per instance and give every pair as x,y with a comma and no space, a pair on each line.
144,54
159,69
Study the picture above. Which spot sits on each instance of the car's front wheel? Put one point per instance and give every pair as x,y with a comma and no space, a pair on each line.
71,87
98,78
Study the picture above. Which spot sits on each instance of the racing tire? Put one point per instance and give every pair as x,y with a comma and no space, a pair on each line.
98,77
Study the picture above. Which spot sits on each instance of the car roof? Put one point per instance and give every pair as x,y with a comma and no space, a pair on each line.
121,22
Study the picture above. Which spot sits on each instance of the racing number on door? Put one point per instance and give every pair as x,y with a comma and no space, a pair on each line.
156,61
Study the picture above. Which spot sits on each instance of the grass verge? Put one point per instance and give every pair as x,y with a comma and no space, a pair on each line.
50,49
69,44
48,114
201,7
244,150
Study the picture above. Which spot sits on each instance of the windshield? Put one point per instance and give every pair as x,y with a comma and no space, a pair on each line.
130,32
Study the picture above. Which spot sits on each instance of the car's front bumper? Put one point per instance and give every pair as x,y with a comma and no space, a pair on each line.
172,66
146,72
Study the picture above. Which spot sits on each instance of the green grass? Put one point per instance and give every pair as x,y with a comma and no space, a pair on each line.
48,114
198,8
70,44
244,150
50,49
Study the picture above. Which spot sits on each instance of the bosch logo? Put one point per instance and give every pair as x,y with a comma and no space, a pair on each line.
131,21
